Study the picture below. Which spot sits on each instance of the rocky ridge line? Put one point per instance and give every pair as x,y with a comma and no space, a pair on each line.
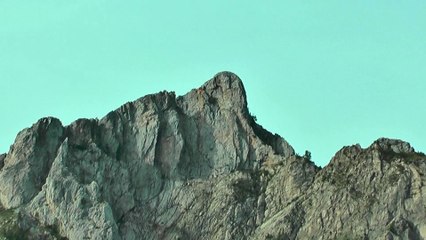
199,167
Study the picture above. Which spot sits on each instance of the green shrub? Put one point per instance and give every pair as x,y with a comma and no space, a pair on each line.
9,228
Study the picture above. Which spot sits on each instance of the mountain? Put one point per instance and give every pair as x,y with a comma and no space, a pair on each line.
198,166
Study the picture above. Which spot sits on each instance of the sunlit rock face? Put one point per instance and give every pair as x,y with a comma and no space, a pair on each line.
199,167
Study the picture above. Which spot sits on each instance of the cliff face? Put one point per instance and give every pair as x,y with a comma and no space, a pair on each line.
199,167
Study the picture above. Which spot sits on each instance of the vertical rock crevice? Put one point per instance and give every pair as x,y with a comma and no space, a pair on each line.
28,162
199,167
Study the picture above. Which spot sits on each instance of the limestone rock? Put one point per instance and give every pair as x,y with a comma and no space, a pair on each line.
2,157
392,145
198,166
372,193
28,162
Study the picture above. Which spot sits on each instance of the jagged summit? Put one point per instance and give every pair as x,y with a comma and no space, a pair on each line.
393,145
228,87
198,166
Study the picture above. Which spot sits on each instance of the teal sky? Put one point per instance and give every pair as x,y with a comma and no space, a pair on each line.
322,74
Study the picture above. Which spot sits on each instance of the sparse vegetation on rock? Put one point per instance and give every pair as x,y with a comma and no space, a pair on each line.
198,166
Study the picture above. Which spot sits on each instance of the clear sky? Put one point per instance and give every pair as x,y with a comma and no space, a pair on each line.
322,74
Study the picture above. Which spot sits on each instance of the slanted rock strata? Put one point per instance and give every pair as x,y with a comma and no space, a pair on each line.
199,167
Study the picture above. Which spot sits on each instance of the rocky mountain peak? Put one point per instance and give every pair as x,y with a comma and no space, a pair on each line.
224,92
382,148
228,87
198,166
392,145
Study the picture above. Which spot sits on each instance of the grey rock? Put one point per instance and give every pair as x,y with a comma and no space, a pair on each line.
28,162
2,157
198,166
392,145
373,193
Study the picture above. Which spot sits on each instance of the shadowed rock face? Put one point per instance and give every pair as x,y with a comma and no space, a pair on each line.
27,164
199,167
2,157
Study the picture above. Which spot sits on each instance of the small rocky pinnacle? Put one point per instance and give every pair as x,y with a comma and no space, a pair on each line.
228,89
394,145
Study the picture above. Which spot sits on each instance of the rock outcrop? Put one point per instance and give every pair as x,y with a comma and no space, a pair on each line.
199,167
2,157
372,193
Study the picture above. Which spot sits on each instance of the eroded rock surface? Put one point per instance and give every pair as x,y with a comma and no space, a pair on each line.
28,162
199,167
2,157
372,193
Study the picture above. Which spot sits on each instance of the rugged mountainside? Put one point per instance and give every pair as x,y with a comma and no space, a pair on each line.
199,167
